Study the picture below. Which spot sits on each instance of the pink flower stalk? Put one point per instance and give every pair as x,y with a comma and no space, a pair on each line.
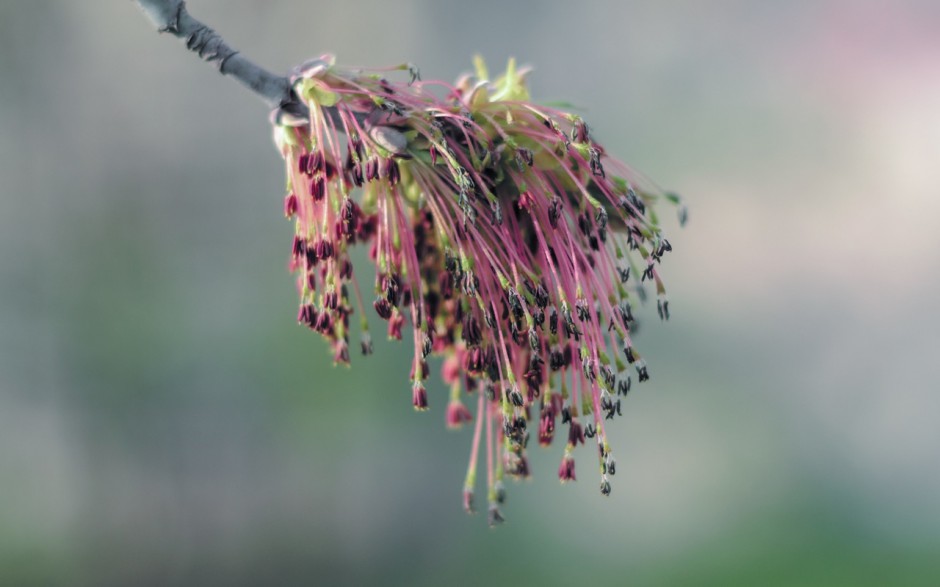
500,230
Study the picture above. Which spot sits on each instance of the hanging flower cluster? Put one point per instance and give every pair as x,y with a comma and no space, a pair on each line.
501,232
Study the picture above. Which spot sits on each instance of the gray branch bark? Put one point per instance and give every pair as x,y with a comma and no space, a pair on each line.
171,16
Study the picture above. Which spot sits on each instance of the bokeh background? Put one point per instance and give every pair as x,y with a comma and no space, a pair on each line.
164,421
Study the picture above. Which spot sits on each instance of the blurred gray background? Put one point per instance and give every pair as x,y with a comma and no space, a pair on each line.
164,421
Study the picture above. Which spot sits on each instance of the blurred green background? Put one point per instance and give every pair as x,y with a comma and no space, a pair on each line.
164,421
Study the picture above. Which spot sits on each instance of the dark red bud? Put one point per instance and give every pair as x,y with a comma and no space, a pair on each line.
345,269
382,308
290,205
318,189
394,174
419,397
566,470
299,247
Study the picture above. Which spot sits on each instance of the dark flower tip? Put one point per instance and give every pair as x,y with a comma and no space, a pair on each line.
457,414
419,397
290,205
468,501
500,490
494,516
566,469
382,308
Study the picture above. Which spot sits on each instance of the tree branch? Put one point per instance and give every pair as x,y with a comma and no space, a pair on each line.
171,16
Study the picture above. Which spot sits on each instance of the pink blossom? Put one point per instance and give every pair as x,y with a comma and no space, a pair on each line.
500,230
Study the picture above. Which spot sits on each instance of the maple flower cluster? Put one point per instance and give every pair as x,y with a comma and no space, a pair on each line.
502,234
